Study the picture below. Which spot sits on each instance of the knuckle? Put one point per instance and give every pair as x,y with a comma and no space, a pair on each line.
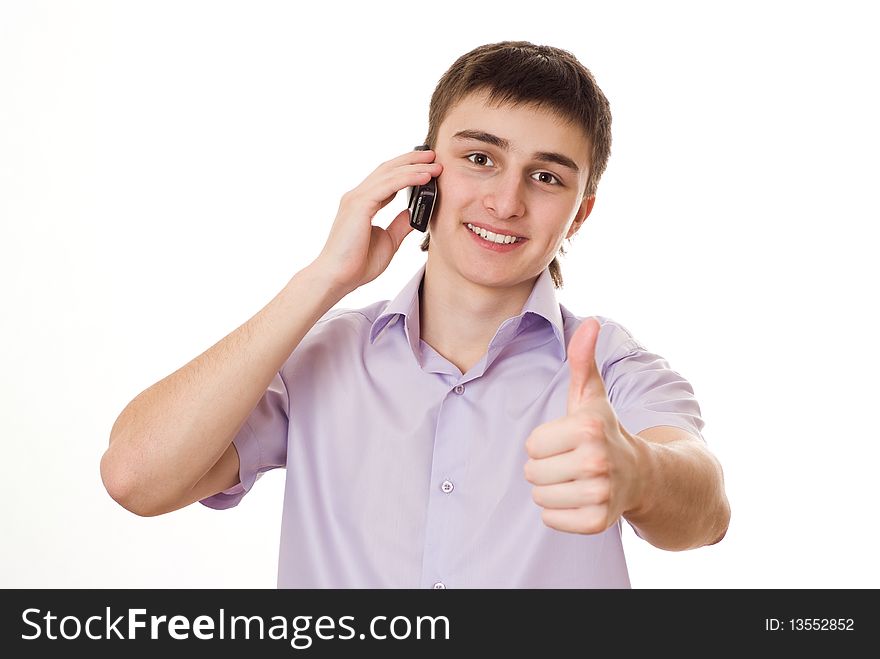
591,425
584,465
586,493
589,465
592,522
588,528
602,491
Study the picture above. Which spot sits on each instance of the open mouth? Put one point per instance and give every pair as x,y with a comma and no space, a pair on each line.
496,238
500,243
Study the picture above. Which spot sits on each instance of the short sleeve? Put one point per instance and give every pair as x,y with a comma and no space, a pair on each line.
642,387
261,443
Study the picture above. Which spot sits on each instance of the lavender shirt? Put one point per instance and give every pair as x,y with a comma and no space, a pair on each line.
404,473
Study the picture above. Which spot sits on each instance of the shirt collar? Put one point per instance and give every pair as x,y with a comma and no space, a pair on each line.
406,304
541,304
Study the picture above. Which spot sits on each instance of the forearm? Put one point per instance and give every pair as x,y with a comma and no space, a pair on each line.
682,504
172,433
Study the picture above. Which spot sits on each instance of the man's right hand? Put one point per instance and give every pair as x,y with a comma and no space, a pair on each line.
357,252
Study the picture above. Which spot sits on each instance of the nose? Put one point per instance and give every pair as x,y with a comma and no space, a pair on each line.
504,196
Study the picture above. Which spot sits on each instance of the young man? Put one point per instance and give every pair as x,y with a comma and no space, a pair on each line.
472,432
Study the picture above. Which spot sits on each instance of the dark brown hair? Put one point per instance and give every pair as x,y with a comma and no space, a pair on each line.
522,73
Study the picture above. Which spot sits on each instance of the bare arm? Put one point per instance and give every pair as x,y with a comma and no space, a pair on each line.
588,471
167,439
172,445
684,505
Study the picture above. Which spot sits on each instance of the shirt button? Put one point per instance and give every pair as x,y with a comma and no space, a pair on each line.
439,586
459,389
447,486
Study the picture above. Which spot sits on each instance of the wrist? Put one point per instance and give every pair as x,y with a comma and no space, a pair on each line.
645,474
326,278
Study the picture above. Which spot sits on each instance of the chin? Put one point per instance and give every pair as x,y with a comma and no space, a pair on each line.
480,274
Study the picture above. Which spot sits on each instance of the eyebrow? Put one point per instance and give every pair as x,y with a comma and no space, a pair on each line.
501,143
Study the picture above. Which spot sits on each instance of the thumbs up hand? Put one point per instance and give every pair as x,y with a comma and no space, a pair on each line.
584,466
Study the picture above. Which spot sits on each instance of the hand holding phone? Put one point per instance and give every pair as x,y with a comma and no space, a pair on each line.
422,199
356,251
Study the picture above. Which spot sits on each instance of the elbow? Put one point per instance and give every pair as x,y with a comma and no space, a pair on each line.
723,522
122,486
721,517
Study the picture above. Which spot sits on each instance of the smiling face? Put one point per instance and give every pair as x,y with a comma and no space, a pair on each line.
508,172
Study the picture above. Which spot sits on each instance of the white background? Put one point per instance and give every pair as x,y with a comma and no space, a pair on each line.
166,167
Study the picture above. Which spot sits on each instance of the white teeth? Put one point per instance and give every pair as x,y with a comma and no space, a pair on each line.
499,238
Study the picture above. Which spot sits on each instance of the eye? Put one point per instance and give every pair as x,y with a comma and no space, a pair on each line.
485,161
558,182
479,155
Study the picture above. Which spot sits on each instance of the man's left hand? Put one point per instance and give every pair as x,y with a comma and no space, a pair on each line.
584,465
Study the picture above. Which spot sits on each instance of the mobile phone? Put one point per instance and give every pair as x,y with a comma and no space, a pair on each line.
422,199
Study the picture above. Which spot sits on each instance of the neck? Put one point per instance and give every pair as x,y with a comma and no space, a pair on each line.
458,318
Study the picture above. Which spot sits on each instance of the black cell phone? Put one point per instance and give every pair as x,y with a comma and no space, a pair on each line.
422,199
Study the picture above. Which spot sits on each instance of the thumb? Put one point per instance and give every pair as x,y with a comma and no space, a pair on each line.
399,228
586,382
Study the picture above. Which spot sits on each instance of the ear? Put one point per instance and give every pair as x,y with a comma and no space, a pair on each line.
582,214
